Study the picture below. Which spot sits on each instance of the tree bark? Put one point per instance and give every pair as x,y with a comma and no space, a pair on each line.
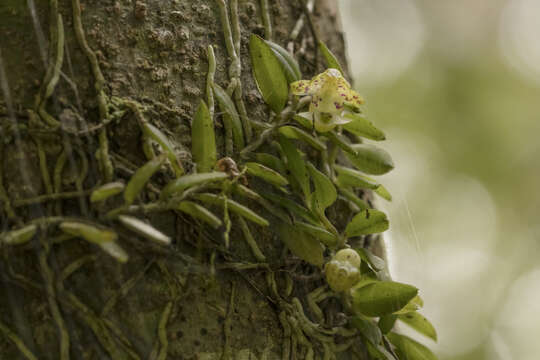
71,107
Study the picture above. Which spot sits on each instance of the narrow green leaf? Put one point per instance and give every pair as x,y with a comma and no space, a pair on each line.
305,119
365,280
233,206
383,192
179,185
378,352
106,191
382,297
156,134
104,238
371,159
296,166
409,349
320,233
288,58
266,174
414,305
292,132
368,221
285,67
325,192
271,161
301,244
419,323
230,117
268,74
114,250
199,212
351,196
241,190
368,329
354,178
331,60
144,229
203,137
363,127
374,261
386,323
341,141
293,207
141,177
19,236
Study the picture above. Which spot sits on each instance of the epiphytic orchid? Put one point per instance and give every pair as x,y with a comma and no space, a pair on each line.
331,95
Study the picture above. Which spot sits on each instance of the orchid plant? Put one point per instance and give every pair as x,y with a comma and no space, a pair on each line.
332,98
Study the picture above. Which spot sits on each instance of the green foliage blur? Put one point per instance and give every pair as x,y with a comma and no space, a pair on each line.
456,87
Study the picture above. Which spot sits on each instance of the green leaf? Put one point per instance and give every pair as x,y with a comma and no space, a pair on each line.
292,206
409,349
199,212
350,177
382,297
415,304
320,233
106,191
301,244
141,177
325,192
367,327
156,134
383,192
267,174
186,181
386,323
419,323
371,159
241,190
114,250
353,198
287,56
378,352
203,137
368,221
362,127
271,161
19,236
341,141
144,229
305,119
231,119
365,279
104,238
268,74
286,68
233,206
374,261
331,60
296,166
293,132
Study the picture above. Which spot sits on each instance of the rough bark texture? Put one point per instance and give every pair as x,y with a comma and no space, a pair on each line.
165,302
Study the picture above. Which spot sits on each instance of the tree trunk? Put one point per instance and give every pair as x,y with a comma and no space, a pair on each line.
79,81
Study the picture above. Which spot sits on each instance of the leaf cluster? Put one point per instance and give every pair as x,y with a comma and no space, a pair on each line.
307,171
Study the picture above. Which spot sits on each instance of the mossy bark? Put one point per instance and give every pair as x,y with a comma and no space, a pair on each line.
64,298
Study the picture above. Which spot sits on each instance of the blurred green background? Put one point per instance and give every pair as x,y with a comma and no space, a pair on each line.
456,87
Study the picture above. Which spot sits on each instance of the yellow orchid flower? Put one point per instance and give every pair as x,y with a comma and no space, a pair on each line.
331,93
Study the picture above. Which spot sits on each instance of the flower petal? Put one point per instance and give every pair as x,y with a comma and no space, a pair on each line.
323,122
354,99
302,87
340,120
